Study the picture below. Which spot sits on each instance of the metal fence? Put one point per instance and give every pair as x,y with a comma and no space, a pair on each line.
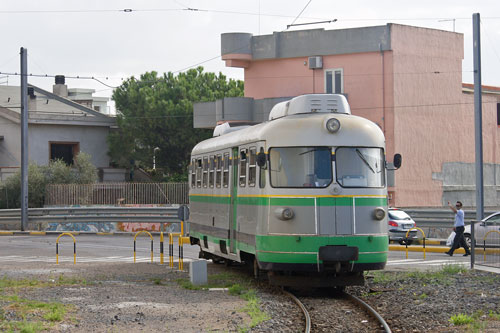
117,193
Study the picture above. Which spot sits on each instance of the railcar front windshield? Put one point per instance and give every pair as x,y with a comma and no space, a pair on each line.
360,167
300,167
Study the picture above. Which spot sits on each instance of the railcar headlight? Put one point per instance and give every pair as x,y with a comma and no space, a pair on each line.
379,213
284,213
333,125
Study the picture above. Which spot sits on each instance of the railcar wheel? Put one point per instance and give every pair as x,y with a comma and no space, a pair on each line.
217,260
257,272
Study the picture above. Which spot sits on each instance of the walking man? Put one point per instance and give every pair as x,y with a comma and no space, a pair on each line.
459,228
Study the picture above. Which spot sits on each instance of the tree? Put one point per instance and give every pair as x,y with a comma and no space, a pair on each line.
157,111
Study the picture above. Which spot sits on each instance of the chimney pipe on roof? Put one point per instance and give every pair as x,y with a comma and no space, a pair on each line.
60,88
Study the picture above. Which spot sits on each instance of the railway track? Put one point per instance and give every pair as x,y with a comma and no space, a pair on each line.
338,311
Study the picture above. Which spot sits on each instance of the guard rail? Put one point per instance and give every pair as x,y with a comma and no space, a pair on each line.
439,218
170,214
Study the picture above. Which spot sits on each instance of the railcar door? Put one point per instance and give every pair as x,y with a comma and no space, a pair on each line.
233,202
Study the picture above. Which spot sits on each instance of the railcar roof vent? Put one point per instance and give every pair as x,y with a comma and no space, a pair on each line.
229,127
313,103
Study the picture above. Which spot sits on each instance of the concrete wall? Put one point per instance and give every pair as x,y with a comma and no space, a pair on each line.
433,119
92,141
10,146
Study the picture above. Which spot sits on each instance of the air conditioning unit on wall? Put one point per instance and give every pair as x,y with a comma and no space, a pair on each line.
315,62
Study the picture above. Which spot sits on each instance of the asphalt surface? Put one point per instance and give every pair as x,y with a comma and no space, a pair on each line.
120,248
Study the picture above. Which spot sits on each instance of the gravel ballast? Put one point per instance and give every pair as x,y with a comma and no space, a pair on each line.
148,297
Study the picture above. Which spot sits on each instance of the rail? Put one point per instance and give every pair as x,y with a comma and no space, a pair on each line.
168,214
439,217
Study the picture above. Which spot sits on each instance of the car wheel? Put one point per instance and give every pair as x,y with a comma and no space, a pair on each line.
405,242
468,240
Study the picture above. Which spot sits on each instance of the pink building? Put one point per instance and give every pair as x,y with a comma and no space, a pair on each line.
406,79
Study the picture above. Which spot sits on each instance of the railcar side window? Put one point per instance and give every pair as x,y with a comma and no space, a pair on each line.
218,174
205,171
243,167
193,172
252,167
300,167
226,170
360,167
211,177
198,173
262,174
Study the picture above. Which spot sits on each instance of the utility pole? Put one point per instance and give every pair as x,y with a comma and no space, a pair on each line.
478,115
24,138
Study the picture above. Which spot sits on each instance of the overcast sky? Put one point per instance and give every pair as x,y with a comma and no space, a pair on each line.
100,39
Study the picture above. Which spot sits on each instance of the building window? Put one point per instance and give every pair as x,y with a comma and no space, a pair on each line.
97,108
334,81
498,114
65,151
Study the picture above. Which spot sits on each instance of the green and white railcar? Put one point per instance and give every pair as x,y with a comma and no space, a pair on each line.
301,195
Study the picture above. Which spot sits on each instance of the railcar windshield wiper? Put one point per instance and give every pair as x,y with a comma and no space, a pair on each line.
363,158
309,151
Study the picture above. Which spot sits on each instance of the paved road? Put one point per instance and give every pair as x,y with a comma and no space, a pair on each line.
101,248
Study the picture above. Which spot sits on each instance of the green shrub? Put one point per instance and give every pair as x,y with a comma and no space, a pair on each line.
39,176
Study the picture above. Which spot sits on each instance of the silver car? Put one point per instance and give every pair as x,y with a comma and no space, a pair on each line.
486,232
399,224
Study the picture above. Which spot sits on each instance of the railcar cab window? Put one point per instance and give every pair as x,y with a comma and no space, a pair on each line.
198,173
243,167
360,167
300,167
205,171
218,173
252,167
225,176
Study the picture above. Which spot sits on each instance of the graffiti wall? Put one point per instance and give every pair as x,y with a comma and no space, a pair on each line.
114,227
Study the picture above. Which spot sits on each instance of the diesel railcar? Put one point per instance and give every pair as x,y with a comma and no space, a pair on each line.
302,196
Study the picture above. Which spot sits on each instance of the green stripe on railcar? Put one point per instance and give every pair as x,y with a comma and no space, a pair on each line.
293,201
304,249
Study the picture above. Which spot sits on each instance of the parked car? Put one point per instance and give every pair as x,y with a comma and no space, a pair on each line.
399,224
490,223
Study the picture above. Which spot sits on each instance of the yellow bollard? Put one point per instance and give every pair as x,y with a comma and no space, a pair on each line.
484,242
74,247
182,240
423,233
161,248
137,234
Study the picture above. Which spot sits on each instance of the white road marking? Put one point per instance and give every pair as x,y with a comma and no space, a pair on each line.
52,259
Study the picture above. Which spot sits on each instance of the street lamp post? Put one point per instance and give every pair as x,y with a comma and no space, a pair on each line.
154,157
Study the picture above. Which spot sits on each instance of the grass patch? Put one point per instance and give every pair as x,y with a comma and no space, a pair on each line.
27,315
23,327
223,280
237,285
252,308
157,281
461,319
443,276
